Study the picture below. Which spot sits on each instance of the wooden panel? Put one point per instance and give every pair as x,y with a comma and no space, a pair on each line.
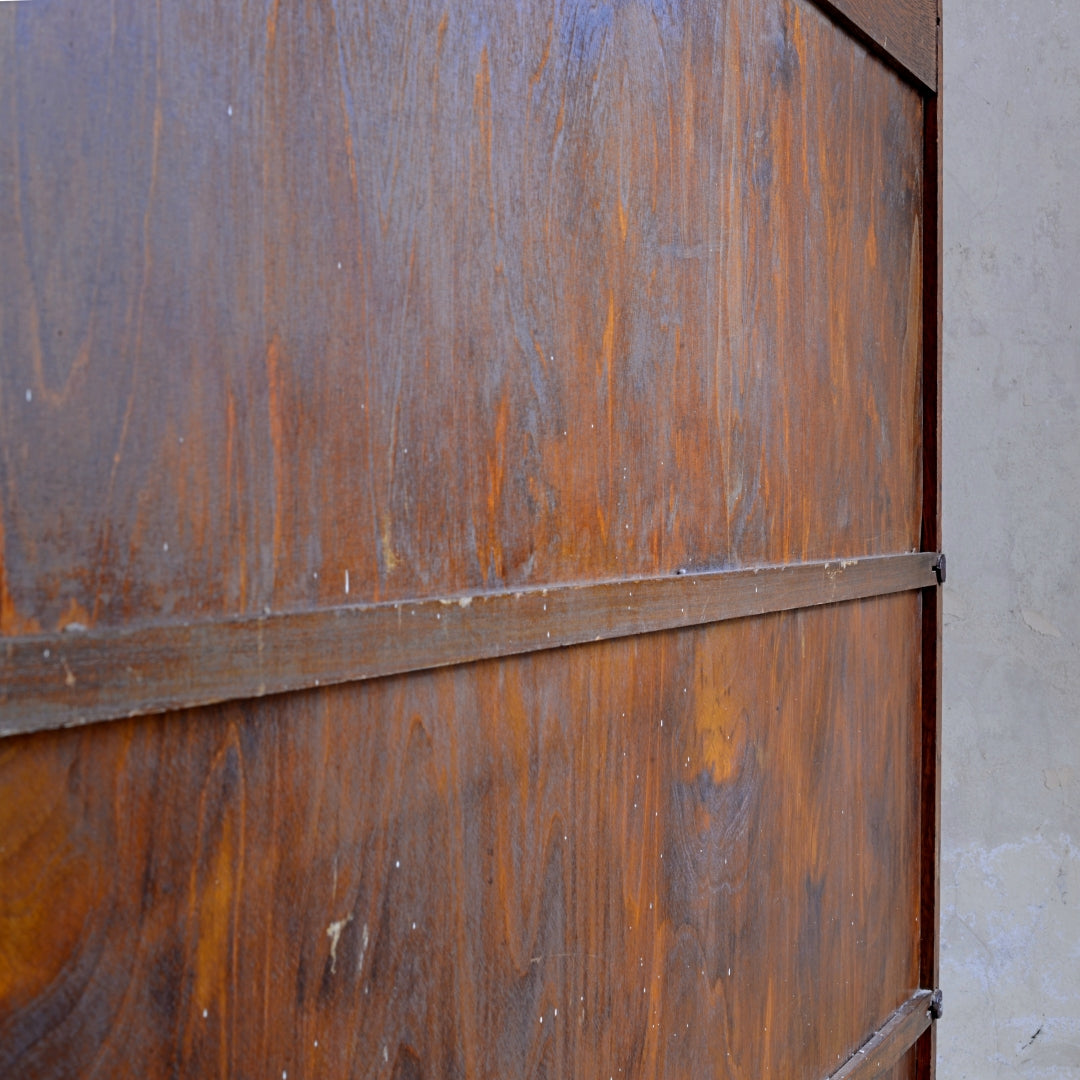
76,678
904,29
633,288
682,855
394,304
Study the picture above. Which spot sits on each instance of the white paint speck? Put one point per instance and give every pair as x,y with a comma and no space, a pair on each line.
333,932
316,1042
165,546
346,582
397,863
205,1013
363,948
29,395
339,266
46,654
414,926
228,110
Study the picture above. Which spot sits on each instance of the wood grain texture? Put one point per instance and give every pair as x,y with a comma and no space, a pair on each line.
312,310
689,854
369,302
906,30
66,679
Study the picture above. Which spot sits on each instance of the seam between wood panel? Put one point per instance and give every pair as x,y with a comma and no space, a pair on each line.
932,614
61,680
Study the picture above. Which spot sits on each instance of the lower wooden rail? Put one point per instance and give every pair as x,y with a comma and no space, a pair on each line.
891,1041
71,678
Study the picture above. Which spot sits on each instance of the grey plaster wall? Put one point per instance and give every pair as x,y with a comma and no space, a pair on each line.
1011,754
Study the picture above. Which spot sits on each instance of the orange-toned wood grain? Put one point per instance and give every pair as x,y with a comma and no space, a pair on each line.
361,302
687,854
311,305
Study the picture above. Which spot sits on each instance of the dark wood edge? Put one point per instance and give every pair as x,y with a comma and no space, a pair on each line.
903,33
61,680
932,606
890,1042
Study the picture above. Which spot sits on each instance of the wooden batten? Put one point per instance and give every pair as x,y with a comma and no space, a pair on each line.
61,680
890,1042
905,30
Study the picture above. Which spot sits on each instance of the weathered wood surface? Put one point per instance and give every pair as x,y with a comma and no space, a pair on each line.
339,303
76,678
906,30
366,303
679,855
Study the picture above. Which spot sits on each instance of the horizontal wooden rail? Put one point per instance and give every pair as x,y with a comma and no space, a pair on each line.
904,30
65,679
890,1042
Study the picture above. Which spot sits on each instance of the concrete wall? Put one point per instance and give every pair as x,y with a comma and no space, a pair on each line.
1011,774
